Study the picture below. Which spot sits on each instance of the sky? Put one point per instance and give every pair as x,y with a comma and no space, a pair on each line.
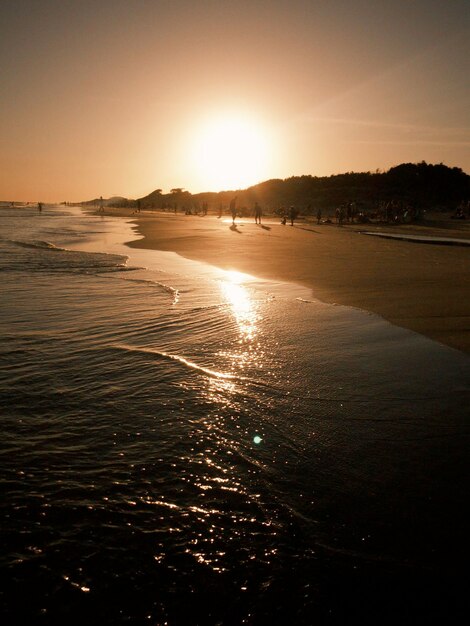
121,97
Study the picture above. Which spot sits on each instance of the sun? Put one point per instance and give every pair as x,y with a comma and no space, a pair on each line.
230,151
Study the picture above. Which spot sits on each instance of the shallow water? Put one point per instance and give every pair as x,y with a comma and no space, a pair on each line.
185,445
448,241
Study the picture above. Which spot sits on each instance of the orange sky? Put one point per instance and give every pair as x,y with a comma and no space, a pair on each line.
119,97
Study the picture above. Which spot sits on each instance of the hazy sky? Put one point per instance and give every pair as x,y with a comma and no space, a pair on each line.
119,97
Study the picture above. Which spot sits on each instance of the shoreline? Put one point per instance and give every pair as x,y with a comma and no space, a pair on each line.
421,287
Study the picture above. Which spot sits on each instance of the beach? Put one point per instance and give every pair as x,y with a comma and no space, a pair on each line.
419,286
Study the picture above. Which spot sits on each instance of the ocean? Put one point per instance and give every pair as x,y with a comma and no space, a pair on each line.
186,445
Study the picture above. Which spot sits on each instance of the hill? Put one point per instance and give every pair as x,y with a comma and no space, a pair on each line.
114,201
421,185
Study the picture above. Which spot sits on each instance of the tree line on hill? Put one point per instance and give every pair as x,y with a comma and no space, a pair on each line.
420,185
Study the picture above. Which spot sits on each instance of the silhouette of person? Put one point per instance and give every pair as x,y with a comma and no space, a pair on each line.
258,213
318,216
340,215
233,208
39,207
292,215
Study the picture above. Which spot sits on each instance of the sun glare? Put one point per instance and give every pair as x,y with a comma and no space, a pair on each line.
230,152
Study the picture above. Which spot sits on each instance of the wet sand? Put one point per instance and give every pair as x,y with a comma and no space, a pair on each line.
419,286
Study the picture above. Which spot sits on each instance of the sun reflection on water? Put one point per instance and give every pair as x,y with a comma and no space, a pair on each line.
241,304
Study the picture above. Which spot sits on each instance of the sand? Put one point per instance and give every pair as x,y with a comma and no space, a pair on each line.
419,286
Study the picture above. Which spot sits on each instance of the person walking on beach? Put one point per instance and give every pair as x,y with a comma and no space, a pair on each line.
318,216
233,208
39,207
292,215
258,213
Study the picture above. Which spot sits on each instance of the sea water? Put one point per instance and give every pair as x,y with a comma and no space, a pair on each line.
184,445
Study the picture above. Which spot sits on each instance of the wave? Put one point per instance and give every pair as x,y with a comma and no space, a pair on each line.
173,291
76,261
104,269
175,294
42,245
182,360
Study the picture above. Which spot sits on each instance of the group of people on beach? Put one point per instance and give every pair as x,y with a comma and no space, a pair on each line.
290,214
234,212
396,211
393,211
346,211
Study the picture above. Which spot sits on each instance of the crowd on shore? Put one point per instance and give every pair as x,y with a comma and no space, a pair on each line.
387,212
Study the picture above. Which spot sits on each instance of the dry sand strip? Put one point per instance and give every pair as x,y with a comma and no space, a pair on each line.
424,288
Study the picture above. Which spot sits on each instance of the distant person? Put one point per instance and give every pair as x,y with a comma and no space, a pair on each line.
292,215
258,213
39,207
138,206
341,212
318,216
101,204
221,210
233,208
353,211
